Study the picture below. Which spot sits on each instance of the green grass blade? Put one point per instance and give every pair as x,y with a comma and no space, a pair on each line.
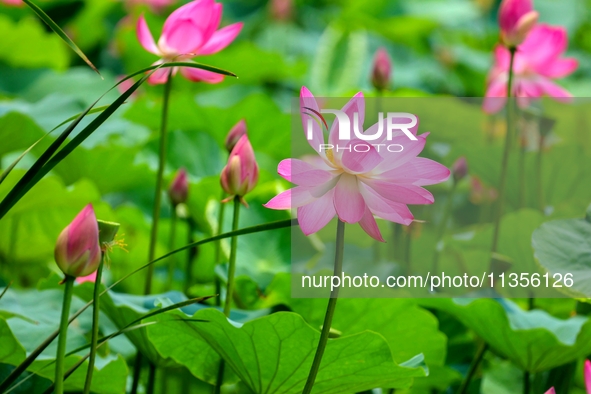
58,30
15,162
46,162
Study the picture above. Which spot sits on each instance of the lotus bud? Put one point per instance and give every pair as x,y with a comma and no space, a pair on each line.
77,251
235,134
179,188
281,10
459,169
516,19
381,70
241,173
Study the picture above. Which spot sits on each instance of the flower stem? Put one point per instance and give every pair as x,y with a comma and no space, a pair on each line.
95,325
191,254
61,344
540,189
230,287
218,249
526,383
159,182
172,260
443,225
473,367
232,264
521,178
332,303
151,379
506,150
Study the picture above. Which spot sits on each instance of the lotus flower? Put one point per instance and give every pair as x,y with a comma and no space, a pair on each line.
178,190
241,173
16,3
537,62
355,185
77,251
381,70
88,278
516,19
235,134
189,31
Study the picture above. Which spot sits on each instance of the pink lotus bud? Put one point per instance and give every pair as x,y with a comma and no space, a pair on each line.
459,169
282,10
235,134
516,18
382,70
77,251
588,376
241,173
16,3
179,188
87,278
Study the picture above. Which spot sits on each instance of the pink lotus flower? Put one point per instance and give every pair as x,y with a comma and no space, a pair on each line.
235,134
178,190
88,278
15,3
381,70
355,185
516,19
189,31
241,173
77,251
537,61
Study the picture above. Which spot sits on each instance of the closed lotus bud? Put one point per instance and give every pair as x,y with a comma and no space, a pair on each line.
235,134
241,173
77,251
516,19
459,169
179,188
282,10
381,70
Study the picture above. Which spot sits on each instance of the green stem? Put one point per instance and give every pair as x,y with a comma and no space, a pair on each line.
191,254
230,287
443,225
232,264
539,173
505,160
172,260
473,368
95,325
159,182
218,249
151,379
332,303
526,382
61,344
521,167
137,370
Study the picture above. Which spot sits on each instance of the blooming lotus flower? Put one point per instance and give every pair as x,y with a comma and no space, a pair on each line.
381,70
537,62
241,173
77,251
516,19
355,185
235,134
178,190
189,31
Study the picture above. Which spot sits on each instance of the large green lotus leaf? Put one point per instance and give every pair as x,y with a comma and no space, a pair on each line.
17,131
30,316
533,340
273,354
408,328
564,247
124,309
